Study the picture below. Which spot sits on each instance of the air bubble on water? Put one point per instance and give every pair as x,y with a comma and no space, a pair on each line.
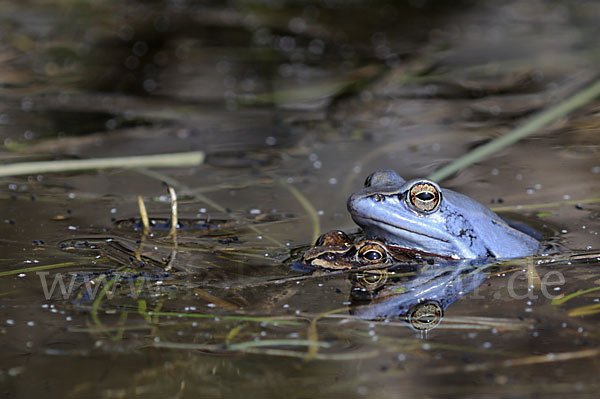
297,25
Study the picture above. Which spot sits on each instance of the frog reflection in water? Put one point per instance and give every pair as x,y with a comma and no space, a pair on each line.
419,215
419,297
391,283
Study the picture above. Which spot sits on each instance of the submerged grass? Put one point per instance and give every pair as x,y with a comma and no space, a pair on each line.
98,301
265,348
560,300
313,334
523,361
269,320
586,310
38,268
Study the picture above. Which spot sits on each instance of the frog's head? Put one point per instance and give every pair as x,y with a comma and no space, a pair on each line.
335,250
419,215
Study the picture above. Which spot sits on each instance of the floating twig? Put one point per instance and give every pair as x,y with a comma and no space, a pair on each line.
557,204
143,215
173,232
200,197
181,159
174,217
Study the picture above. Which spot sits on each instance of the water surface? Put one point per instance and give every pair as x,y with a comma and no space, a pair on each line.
294,106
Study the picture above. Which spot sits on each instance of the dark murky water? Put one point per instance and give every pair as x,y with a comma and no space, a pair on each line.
294,105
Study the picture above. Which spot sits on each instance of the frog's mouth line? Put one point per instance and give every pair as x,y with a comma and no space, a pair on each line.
400,228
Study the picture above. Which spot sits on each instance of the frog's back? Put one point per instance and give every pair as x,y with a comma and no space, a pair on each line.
488,234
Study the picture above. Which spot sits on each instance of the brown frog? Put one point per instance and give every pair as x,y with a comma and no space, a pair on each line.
335,250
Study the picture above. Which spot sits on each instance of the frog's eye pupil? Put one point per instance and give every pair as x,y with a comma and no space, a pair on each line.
372,255
425,196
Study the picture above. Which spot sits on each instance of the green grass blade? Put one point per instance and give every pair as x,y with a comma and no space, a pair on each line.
561,300
531,126
193,158
308,207
38,268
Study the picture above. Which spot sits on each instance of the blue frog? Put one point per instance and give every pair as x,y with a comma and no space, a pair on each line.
418,215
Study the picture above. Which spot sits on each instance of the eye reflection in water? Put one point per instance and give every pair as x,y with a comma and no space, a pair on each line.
419,295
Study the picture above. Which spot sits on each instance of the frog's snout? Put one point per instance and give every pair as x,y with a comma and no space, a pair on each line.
351,204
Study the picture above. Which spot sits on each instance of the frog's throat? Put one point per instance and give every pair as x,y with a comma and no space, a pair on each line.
399,228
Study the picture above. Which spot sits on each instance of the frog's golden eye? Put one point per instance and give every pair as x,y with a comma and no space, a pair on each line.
372,253
373,279
424,197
